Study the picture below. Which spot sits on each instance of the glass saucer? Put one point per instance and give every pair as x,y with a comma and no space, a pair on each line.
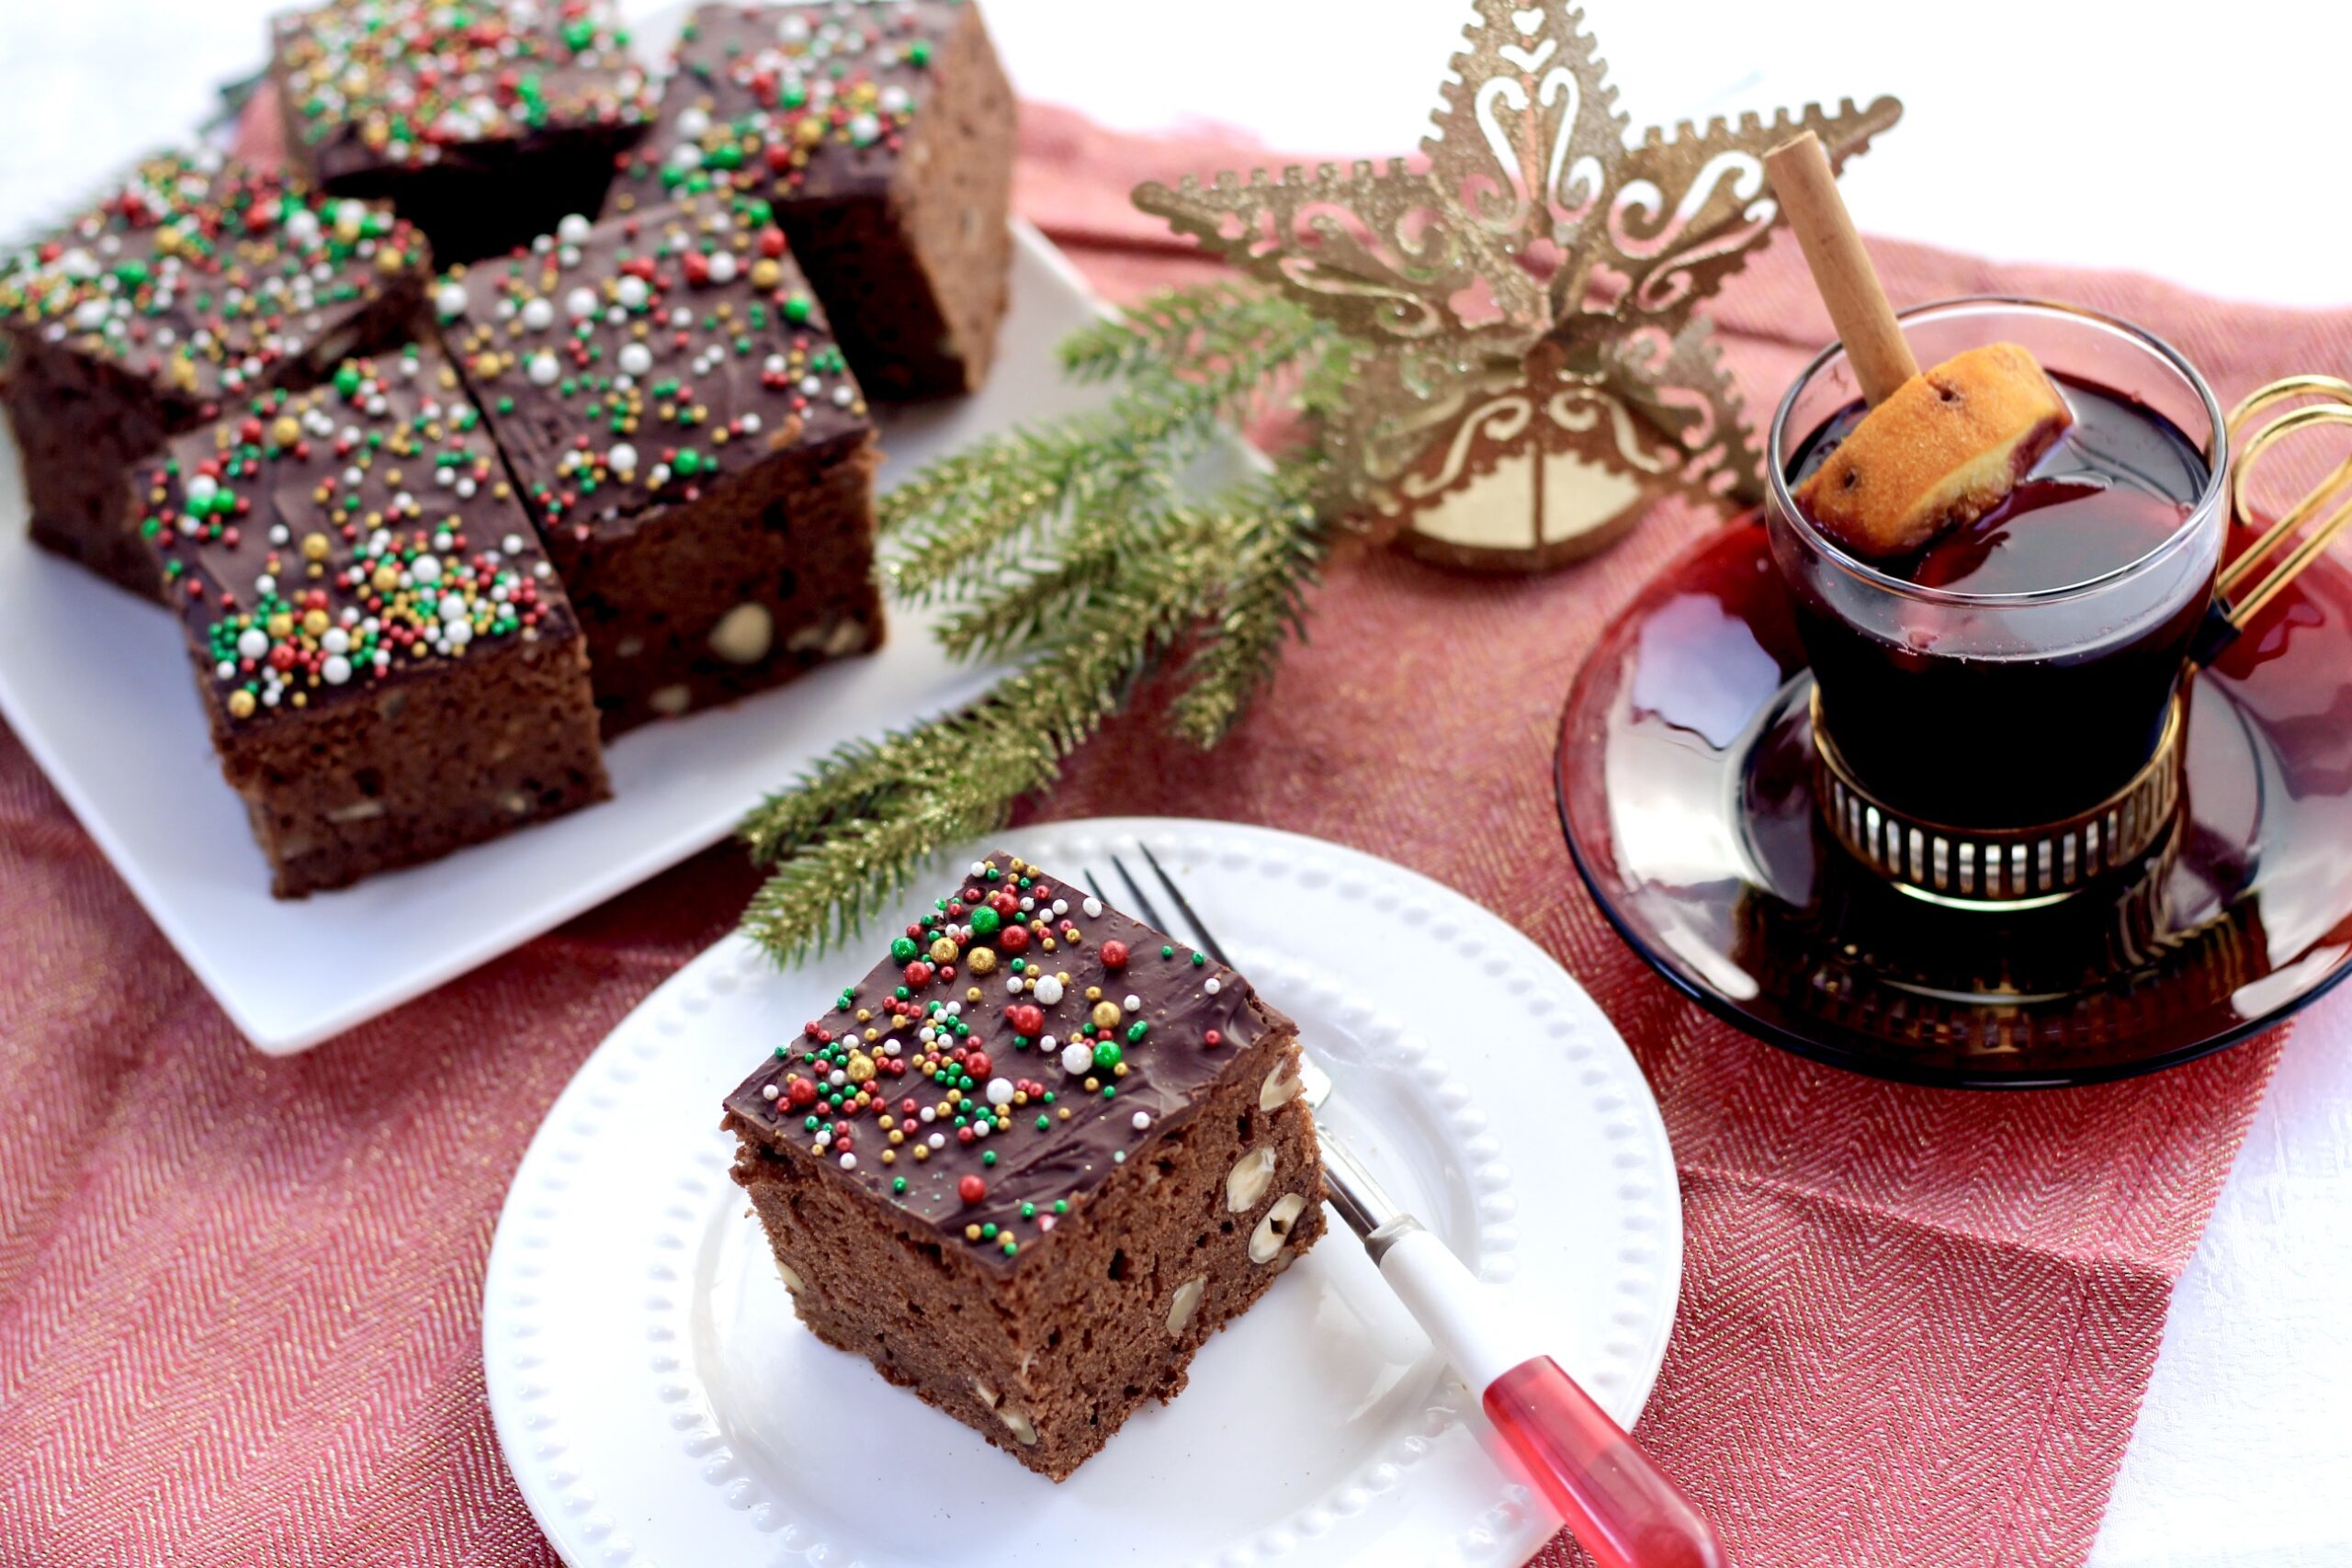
1686,789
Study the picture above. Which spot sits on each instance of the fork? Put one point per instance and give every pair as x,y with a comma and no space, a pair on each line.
1622,1509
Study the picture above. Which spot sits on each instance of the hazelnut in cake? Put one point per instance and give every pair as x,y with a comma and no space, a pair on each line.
193,282
388,665
682,427
1031,1161
482,121
884,135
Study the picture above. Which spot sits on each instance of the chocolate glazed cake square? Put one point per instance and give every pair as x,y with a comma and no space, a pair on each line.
1031,1161
388,665
193,282
884,134
484,122
685,433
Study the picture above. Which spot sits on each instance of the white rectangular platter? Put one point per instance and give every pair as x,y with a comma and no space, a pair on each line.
97,685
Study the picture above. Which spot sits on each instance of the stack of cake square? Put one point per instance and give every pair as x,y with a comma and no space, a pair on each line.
435,540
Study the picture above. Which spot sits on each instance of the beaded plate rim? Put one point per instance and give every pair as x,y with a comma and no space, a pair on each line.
729,1508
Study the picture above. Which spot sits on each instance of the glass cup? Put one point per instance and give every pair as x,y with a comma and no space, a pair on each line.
2003,710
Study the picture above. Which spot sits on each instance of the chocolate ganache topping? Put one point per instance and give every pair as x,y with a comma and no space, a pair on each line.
1018,1045
635,362
322,545
418,83
208,278
812,101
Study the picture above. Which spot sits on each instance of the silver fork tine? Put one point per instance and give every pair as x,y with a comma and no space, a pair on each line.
1140,901
1183,905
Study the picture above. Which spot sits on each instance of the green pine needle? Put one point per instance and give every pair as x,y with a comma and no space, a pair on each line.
1068,550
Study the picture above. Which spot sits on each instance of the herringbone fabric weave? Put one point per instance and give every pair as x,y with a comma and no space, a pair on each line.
239,1298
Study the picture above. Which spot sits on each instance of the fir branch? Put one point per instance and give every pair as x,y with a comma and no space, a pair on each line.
958,521
860,826
1068,549
1279,555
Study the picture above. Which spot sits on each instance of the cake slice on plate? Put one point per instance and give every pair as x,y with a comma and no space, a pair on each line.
1031,1161
884,135
388,665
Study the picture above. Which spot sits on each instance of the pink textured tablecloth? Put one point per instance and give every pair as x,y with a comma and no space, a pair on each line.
239,1297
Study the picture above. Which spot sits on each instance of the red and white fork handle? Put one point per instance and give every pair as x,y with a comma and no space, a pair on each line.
1620,1506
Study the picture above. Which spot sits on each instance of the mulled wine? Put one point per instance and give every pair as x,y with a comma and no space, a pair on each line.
1946,703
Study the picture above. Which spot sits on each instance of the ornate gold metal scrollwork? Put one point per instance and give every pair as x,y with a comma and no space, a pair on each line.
1530,293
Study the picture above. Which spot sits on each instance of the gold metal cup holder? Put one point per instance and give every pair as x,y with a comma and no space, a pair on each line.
2016,869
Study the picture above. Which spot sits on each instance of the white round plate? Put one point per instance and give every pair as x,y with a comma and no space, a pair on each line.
660,1405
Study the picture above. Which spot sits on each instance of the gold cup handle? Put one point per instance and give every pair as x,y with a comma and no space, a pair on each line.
2239,604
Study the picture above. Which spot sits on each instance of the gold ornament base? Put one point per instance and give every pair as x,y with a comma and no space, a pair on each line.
2002,869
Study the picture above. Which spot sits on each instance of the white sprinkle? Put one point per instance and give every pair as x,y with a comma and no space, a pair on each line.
572,229
622,457
1093,907
849,1162
253,642
770,1092
693,123
425,569
579,304
930,1114
537,314
1076,1058
451,299
1133,1004
1139,1121
722,267
837,1077
337,640
1048,988
632,291
543,369
636,359
337,669
999,1091
937,1141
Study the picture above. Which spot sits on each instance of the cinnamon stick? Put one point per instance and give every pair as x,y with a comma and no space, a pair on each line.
1807,189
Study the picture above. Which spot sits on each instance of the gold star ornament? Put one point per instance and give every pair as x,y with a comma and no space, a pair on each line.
1531,370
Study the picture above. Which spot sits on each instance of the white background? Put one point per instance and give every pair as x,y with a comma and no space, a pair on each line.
2204,144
